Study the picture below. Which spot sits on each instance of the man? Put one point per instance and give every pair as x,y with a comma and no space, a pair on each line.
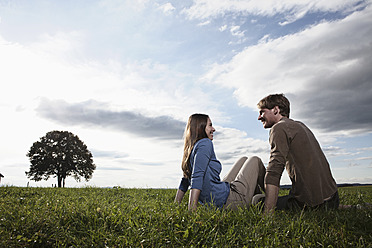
294,147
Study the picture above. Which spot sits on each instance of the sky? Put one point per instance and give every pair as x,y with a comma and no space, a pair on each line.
124,76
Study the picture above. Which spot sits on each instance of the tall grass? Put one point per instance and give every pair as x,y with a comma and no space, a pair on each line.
97,217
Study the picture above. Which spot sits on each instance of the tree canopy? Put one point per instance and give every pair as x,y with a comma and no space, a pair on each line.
60,154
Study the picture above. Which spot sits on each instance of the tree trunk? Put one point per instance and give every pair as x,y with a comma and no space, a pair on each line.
64,182
59,179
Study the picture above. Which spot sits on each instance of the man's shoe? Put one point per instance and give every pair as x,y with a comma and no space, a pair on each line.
258,198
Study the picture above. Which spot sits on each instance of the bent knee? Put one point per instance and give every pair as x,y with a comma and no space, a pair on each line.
255,158
242,160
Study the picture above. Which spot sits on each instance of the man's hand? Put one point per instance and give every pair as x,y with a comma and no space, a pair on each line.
271,198
193,200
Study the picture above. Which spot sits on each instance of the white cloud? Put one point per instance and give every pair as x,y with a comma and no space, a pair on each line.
316,68
332,151
293,10
167,8
126,6
223,28
364,158
49,70
204,23
353,165
235,31
294,17
366,149
361,179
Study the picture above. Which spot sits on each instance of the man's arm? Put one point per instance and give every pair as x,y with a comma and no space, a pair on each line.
179,196
278,154
193,199
271,198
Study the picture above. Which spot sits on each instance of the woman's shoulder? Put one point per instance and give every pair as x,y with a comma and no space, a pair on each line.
205,142
204,145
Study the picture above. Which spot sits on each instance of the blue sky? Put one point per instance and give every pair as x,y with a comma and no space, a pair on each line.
125,75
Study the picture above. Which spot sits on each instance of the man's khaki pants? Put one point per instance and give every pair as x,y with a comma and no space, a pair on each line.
244,177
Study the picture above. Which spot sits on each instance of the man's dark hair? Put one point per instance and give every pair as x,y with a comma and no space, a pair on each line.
271,101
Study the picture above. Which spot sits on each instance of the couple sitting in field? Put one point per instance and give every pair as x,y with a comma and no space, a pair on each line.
293,146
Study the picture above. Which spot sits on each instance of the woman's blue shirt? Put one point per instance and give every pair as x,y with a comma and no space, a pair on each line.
205,174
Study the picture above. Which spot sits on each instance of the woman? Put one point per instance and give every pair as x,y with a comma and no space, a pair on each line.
201,171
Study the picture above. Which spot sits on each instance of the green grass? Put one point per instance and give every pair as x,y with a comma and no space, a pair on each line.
97,217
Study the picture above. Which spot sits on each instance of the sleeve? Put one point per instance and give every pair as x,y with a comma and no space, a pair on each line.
278,154
201,160
184,185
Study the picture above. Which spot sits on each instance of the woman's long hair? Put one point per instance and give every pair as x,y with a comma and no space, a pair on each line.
194,131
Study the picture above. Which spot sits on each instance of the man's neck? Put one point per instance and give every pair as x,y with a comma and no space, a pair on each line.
278,117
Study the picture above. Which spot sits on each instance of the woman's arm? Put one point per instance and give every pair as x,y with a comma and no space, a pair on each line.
193,199
199,161
179,196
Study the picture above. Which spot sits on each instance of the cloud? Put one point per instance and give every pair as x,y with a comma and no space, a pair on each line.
112,168
223,28
359,159
291,10
127,7
235,31
354,180
167,8
324,70
292,17
148,85
95,114
238,34
204,23
364,158
333,151
109,154
231,144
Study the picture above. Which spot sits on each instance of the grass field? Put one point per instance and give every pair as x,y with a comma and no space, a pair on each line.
98,217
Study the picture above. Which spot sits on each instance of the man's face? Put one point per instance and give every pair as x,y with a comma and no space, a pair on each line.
267,117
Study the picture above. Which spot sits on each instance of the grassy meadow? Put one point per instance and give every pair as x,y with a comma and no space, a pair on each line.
118,217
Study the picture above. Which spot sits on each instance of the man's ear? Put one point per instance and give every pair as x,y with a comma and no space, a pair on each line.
276,110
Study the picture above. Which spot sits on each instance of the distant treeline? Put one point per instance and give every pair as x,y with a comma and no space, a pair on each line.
338,185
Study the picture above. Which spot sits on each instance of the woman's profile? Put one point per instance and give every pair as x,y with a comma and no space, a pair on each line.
201,171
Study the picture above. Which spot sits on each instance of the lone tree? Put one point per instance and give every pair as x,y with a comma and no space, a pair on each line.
60,154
